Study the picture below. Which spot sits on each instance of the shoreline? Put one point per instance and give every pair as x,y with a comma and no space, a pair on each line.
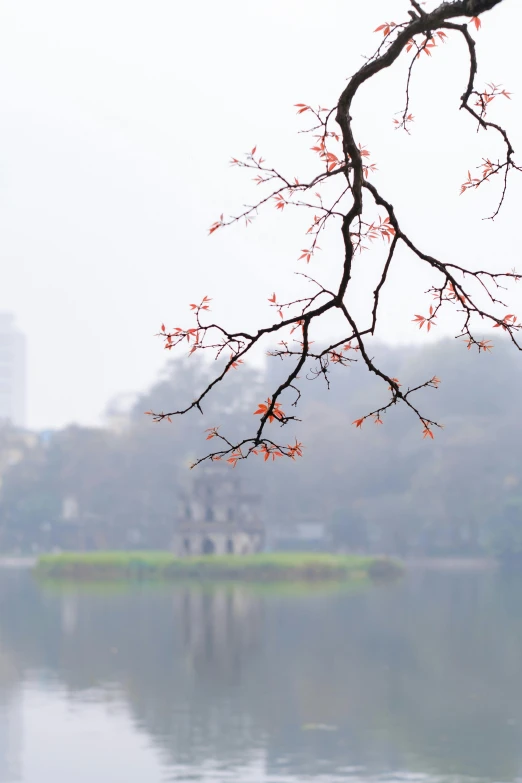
451,563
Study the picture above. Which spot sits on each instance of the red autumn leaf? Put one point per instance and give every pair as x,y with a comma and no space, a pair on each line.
358,422
234,457
235,363
216,225
295,450
505,323
386,28
476,21
276,412
306,254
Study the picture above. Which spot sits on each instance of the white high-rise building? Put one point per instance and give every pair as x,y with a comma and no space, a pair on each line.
12,372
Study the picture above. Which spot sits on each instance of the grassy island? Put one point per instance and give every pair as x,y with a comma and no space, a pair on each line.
266,567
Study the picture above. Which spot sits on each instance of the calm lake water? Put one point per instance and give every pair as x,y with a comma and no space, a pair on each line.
421,681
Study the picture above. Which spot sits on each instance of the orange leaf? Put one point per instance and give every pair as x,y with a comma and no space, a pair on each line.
358,422
235,362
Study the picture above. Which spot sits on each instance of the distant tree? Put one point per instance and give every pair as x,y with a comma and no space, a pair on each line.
342,191
384,493
349,530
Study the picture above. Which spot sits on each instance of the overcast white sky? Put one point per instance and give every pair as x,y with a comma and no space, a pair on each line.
117,121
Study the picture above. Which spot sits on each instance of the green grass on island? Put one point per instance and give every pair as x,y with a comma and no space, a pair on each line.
264,567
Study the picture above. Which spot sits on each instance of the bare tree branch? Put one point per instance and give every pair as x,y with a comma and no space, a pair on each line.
344,160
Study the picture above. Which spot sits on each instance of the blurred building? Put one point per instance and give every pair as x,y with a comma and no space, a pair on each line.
304,534
216,515
12,372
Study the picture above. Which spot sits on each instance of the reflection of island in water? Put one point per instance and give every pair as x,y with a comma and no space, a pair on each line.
425,676
221,629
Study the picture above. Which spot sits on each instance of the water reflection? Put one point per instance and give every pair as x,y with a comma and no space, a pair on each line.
417,680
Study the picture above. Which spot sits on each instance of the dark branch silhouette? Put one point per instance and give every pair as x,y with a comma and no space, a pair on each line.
344,161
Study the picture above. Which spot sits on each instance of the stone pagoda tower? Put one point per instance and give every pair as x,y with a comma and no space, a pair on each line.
216,516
